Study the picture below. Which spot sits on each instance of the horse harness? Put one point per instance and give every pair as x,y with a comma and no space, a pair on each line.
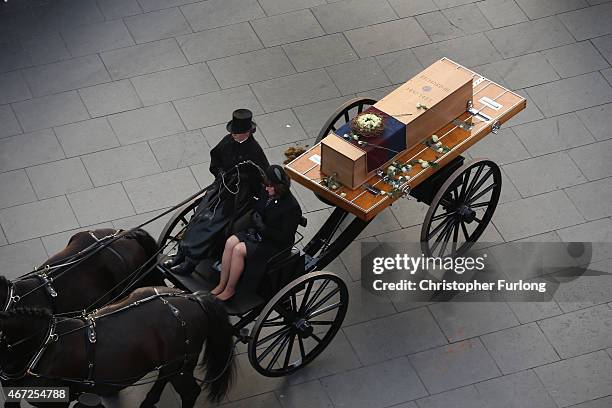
91,337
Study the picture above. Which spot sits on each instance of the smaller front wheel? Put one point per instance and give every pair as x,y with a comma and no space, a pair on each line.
298,324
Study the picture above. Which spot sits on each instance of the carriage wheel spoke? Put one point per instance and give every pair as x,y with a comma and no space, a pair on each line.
320,290
271,336
302,348
317,338
321,322
455,238
322,301
479,184
445,203
438,228
324,310
306,294
346,116
465,231
446,238
474,180
464,183
272,346
278,353
273,324
440,216
289,350
484,204
360,107
483,192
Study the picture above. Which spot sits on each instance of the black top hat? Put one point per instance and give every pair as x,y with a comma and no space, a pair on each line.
242,121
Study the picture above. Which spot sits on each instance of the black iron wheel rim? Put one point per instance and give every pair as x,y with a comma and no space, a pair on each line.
286,349
462,209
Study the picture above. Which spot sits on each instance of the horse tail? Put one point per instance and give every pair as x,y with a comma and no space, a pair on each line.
218,356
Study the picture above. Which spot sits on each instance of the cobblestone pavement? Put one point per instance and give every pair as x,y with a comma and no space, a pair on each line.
109,108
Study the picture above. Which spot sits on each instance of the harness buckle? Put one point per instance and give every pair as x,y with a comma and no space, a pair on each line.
53,338
15,298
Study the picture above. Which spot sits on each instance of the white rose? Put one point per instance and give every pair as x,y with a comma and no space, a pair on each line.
424,164
439,144
440,150
435,138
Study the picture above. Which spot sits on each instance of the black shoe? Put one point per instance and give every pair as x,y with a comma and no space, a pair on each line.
184,268
173,261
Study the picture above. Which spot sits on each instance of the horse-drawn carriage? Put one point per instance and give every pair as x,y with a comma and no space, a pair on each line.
297,309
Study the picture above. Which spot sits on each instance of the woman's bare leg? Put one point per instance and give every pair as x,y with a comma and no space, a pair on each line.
226,260
236,268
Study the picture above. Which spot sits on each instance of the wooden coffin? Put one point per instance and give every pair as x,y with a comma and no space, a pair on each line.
442,87
344,161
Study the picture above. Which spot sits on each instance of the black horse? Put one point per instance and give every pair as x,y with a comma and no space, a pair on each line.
88,279
152,329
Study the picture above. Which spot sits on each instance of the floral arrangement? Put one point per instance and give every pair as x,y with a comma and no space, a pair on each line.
368,125
435,144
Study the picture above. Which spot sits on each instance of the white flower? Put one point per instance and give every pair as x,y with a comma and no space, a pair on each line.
343,194
334,186
369,121
355,137
424,164
422,161
435,138
439,144
440,150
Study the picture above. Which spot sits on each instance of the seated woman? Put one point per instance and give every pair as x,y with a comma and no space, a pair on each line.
275,220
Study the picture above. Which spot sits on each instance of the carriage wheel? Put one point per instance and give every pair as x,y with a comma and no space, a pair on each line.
462,209
175,227
343,115
298,324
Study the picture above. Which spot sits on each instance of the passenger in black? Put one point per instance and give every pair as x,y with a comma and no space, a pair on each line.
238,163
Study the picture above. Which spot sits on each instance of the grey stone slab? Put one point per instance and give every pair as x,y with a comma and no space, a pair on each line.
146,123
575,59
410,212
319,52
542,174
578,379
143,59
364,305
181,150
455,365
101,204
502,13
29,149
313,116
598,120
281,127
394,336
530,36
286,28
66,75
58,178
336,358
527,312
593,199
54,243
157,25
519,348
580,332
109,98
502,148
400,66
598,403
13,88
15,189
607,73
542,8
215,108
249,382
32,220
408,8
121,163
592,288
604,45
93,38
509,191
357,76
533,215
379,385
219,42
304,395
529,114
593,159
524,71
268,400
599,232
46,48
86,137
589,22
554,134
119,8
346,15
466,397
518,390
161,190
571,94
295,90
438,27
272,7
21,258
3,240
251,67
462,320
216,13
387,37
52,110
174,84
150,5
467,18
68,13
13,56
10,126
443,4
480,52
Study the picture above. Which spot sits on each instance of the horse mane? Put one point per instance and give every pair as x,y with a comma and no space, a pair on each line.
30,311
144,239
3,280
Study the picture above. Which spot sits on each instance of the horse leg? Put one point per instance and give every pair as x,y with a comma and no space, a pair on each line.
154,394
187,387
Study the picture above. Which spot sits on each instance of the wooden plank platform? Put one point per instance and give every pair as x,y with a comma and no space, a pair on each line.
365,205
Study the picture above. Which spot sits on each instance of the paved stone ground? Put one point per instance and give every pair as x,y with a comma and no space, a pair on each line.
109,108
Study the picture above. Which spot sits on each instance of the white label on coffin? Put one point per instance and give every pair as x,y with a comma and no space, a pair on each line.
490,103
316,158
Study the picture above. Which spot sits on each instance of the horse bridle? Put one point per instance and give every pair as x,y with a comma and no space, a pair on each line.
11,298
